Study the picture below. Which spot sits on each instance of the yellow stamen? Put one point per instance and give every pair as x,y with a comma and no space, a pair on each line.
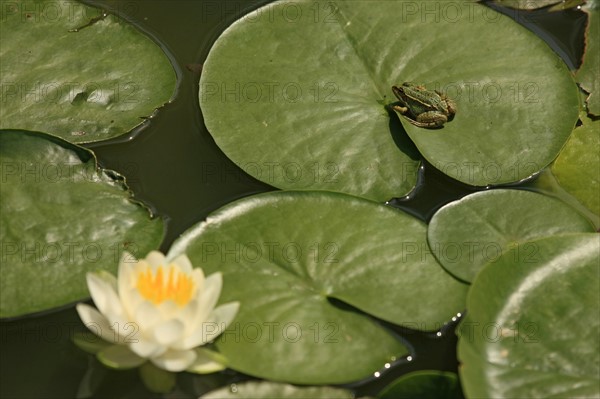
157,288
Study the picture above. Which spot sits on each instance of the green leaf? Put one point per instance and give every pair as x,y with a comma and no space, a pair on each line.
532,326
466,234
274,390
517,101
61,217
587,75
426,384
156,379
546,183
296,260
207,361
577,168
535,4
75,72
120,357
89,342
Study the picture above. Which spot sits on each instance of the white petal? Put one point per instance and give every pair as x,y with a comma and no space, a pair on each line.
141,266
212,289
96,322
184,263
168,332
156,259
210,329
175,360
207,362
147,316
205,302
126,282
127,260
130,300
198,277
102,287
169,309
120,357
196,337
224,314
125,328
146,348
210,296
108,278
187,315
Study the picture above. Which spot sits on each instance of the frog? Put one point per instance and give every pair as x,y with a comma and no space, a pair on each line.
421,107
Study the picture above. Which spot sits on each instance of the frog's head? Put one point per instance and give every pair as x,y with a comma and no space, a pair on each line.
408,91
400,93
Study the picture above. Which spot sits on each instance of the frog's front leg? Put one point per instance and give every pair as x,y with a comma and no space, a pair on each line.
401,109
430,119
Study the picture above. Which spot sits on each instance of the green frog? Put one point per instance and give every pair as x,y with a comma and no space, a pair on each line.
422,107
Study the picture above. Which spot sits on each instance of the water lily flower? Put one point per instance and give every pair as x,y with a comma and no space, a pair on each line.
158,310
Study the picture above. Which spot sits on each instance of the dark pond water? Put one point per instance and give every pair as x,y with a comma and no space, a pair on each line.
173,165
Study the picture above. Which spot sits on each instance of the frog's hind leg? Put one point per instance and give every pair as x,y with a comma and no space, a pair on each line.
430,120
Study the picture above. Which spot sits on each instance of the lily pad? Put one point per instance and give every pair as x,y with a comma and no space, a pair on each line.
532,327
274,390
300,263
61,217
426,384
301,83
587,75
475,230
577,167
77,72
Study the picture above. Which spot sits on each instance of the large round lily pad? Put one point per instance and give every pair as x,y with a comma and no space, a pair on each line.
532,327
60,218
302,84
76,72
299,262
468,233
